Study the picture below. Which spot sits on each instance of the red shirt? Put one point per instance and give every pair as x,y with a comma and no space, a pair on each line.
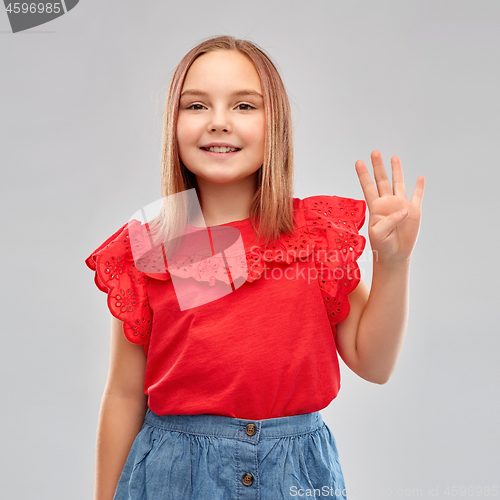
265,347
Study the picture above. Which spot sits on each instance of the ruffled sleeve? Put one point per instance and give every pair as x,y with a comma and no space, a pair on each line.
117,276
333,224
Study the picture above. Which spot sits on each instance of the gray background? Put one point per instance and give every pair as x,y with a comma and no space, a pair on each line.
82,99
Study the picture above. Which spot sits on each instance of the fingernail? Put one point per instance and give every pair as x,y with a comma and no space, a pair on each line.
403,212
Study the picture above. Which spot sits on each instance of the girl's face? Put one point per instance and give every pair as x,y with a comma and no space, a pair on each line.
221,105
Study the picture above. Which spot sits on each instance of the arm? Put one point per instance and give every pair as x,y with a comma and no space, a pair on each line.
122,413
371,338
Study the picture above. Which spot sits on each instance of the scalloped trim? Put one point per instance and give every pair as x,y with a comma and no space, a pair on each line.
333,223
327,227
116,275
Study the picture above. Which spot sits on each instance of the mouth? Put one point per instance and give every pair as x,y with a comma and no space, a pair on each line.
220,149
220,152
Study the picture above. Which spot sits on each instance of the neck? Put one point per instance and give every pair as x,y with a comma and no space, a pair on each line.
226,202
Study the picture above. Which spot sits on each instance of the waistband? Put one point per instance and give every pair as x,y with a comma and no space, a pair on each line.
237,428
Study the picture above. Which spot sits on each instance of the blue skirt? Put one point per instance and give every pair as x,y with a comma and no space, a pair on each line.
214,457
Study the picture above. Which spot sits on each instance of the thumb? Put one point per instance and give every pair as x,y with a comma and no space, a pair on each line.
387,224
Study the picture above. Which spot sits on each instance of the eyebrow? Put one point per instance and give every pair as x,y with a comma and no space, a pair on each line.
236,93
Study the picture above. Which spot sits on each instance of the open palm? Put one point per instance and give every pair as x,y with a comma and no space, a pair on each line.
392,234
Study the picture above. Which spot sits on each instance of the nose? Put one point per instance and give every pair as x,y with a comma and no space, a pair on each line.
219,121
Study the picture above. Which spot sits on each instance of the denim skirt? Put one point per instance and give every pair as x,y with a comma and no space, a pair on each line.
214,457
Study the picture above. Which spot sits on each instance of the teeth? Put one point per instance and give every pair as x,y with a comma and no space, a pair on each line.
221,149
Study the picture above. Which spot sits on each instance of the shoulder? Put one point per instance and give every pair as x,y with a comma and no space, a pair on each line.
331,224
117,275
337,209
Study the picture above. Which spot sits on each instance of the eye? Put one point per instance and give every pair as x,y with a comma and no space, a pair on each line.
196,109
249,106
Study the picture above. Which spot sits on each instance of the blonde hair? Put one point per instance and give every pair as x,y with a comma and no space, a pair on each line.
271,210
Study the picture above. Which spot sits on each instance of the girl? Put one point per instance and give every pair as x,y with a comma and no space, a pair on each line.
222,358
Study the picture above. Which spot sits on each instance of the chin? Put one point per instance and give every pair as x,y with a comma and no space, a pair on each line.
219,179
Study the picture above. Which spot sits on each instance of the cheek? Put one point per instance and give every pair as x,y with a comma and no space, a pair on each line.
254,132
186,133
183,143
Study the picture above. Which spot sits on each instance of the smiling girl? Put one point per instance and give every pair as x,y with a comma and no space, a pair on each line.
222,400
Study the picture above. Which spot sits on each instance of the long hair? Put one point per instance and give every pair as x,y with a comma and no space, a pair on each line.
271,210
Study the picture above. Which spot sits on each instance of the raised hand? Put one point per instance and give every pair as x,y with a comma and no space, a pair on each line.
394,221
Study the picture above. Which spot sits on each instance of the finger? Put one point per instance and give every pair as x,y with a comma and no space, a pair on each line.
398,183
385,226
418,194
383,183
369,190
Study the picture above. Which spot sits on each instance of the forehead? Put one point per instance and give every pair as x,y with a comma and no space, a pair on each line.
222,71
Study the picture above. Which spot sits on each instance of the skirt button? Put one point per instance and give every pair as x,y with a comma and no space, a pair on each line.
251,429
247,479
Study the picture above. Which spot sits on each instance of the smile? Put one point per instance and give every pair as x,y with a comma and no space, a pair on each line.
229,153
220,149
